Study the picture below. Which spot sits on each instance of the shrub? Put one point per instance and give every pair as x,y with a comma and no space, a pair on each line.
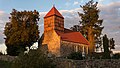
75,56
116,56
34,59
1,53
5,64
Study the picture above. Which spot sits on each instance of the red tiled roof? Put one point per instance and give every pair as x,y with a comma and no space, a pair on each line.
75,37
53,11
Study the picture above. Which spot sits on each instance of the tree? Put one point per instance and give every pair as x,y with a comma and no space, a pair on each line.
1,53
106,47
116,56
108,44
22,31
90,25
33,59
112,43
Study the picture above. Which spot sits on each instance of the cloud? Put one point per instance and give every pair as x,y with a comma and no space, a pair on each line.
70,16
1,12
3,19
75,3
3,48
110,14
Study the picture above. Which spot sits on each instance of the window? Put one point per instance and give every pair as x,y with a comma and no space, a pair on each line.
76,48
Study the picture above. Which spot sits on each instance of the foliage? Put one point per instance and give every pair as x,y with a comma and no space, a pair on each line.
22,30
34,59
96,55
105,43
90,25
75,56
5,64
15,50
112,43
116,56
106,47
108,44
1,53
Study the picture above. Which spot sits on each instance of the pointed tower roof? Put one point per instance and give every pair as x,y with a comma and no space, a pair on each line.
53,11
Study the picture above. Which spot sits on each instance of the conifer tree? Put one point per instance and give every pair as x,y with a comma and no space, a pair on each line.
108,44
90,24
106,47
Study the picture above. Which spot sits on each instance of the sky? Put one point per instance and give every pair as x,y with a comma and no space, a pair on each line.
109,12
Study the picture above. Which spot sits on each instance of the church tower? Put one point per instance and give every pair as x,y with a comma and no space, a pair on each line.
53,20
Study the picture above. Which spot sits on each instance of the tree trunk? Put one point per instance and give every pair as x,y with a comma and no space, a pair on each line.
91,40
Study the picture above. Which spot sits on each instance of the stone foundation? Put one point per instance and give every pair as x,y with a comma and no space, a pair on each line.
104,63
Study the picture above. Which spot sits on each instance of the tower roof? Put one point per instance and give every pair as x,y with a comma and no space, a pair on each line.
53,11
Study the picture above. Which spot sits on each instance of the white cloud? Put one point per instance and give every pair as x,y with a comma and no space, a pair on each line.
3,20
3,48
75,3
109,13
111,16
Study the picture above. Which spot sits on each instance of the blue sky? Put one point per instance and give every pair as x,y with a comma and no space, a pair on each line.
39,5
43,5
110,13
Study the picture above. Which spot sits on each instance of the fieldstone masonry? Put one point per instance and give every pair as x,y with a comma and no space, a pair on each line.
103,63
67,48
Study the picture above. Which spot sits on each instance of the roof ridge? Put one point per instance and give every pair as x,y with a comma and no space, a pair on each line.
53,11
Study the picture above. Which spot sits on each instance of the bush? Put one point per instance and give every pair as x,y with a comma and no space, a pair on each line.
5,64
15,50
34,59
75,56
1,53
116,56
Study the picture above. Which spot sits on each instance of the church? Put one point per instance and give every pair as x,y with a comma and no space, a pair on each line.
60,41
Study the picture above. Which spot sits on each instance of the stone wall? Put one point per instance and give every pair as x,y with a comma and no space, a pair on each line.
7,57
52,40
103,63
69,47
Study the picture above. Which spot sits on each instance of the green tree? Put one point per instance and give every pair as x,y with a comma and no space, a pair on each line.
22,31
90,25
116,56
108,44
34,59
106,54
112,43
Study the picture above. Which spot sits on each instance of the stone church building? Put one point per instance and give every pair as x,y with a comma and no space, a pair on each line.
58,40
